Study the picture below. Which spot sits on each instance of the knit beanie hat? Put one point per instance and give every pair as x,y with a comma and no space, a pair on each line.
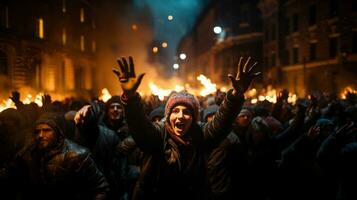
183,98
114,99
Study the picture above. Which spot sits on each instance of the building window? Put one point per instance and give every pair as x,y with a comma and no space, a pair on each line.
64,8
82,43
333,46
273,60
273,32
40,28
312,55
94,46
287,58
82,15
64,36
333,8
312,15
295,22
295,55
3,64
4,16
287,28
354,42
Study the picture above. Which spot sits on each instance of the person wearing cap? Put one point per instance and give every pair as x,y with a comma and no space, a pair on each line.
113,117
175,167
52,167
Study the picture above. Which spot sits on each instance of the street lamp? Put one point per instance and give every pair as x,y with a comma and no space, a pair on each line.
217,30
155,49
176,66
183,56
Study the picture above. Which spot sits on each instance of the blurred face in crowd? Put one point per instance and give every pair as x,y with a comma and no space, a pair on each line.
115,112
45,136
244,117
180,120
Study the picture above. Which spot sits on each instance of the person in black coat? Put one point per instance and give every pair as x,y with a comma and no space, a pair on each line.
52,167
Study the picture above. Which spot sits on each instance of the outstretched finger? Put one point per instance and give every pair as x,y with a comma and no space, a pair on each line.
121,65
126,66
116,72
257,74
246,65
252,67
131,67
140,78
239,67
231,77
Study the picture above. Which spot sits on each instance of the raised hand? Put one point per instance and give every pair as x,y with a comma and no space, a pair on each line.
46,99
243,79
81,114
15,97
126,75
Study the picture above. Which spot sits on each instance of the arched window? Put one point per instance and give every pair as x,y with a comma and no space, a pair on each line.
4,70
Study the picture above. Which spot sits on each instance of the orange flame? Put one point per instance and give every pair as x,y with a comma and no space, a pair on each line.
162,93
105,95
209,87
347,90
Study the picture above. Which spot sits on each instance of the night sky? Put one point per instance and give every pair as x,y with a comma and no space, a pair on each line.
184,14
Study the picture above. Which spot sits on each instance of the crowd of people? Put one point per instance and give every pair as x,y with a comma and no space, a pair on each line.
219,147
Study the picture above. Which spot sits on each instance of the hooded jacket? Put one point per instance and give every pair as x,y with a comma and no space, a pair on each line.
66,171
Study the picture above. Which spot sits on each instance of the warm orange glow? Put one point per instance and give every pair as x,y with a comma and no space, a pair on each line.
40,28
155,49
64,36
162,93
82,16
82,43
5,104
346,90
105,95
270,94
94,46
134,27
209,87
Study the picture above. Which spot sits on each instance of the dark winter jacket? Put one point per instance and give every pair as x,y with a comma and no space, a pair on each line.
67,172
173,170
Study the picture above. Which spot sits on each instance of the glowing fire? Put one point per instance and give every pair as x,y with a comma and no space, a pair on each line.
6,104
209,87
105,95
162,93
270,95
347,90
27,100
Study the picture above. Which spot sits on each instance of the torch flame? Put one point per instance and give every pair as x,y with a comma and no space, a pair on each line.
162,93
209,86
347,90
105,95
